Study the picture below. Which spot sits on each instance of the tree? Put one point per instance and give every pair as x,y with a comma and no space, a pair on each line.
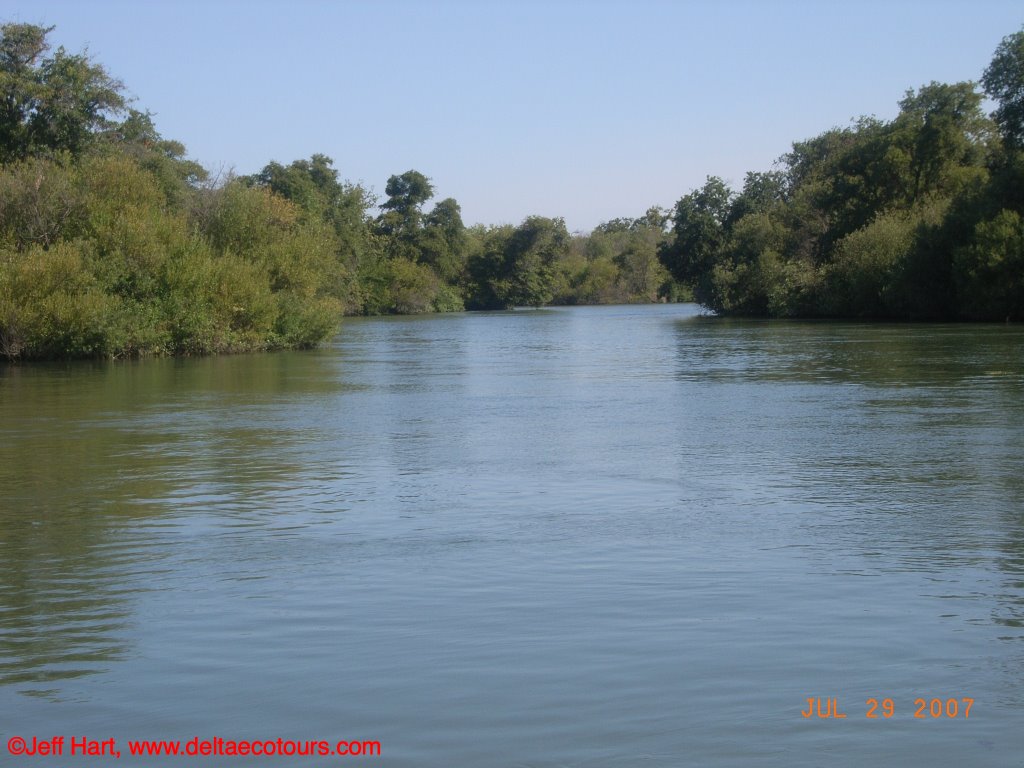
21,45
314,187
486,270
622,260
698,232
406,195
50,104
518,266
401,218
533,251
443,240
164,158
946,138
990,271
761,192
1004,81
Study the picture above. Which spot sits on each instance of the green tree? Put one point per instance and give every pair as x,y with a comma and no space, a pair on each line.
402,213
761,192
990,271
314,187
50,103
487,270
862,278
1004,82
400,222
443,240
531,257
310,184
622,262
518,266
166,159
948,137
698,233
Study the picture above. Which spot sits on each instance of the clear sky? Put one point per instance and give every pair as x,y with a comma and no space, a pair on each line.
586,110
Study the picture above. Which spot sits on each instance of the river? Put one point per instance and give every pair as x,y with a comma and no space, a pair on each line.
595,536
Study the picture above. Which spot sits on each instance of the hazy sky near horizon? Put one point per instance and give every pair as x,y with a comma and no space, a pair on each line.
586,110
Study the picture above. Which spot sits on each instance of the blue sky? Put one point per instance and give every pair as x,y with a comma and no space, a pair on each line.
586,110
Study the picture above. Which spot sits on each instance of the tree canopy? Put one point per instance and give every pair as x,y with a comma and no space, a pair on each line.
913,218
1004,81
52,102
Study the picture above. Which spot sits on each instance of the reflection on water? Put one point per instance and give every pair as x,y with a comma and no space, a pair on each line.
872,354
60,611
90,450
588,536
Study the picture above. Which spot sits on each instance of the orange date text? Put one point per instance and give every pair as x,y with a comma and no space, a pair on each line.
925,708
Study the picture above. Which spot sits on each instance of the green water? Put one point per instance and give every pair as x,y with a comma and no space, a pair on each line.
601,536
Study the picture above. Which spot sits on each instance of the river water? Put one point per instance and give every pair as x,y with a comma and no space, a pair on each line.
599,536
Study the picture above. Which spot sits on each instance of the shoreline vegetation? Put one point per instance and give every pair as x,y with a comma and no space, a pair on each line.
114,244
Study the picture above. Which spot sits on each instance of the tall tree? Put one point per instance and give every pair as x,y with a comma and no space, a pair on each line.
518,266
1004,81
314,187
406,195
138,137
401,218
698,231
443,241
947,137
50,103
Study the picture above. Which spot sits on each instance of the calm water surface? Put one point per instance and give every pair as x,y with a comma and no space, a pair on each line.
583,537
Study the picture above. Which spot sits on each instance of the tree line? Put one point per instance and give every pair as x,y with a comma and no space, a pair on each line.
113,243
916,218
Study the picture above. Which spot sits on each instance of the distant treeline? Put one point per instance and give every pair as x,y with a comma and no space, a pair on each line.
113,243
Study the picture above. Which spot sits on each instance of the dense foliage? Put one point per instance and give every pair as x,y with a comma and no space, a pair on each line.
916,218
113,243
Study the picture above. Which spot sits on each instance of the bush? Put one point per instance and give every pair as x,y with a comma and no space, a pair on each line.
51,306
243,219
40,203
989,273
303,323
412,288
861,280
